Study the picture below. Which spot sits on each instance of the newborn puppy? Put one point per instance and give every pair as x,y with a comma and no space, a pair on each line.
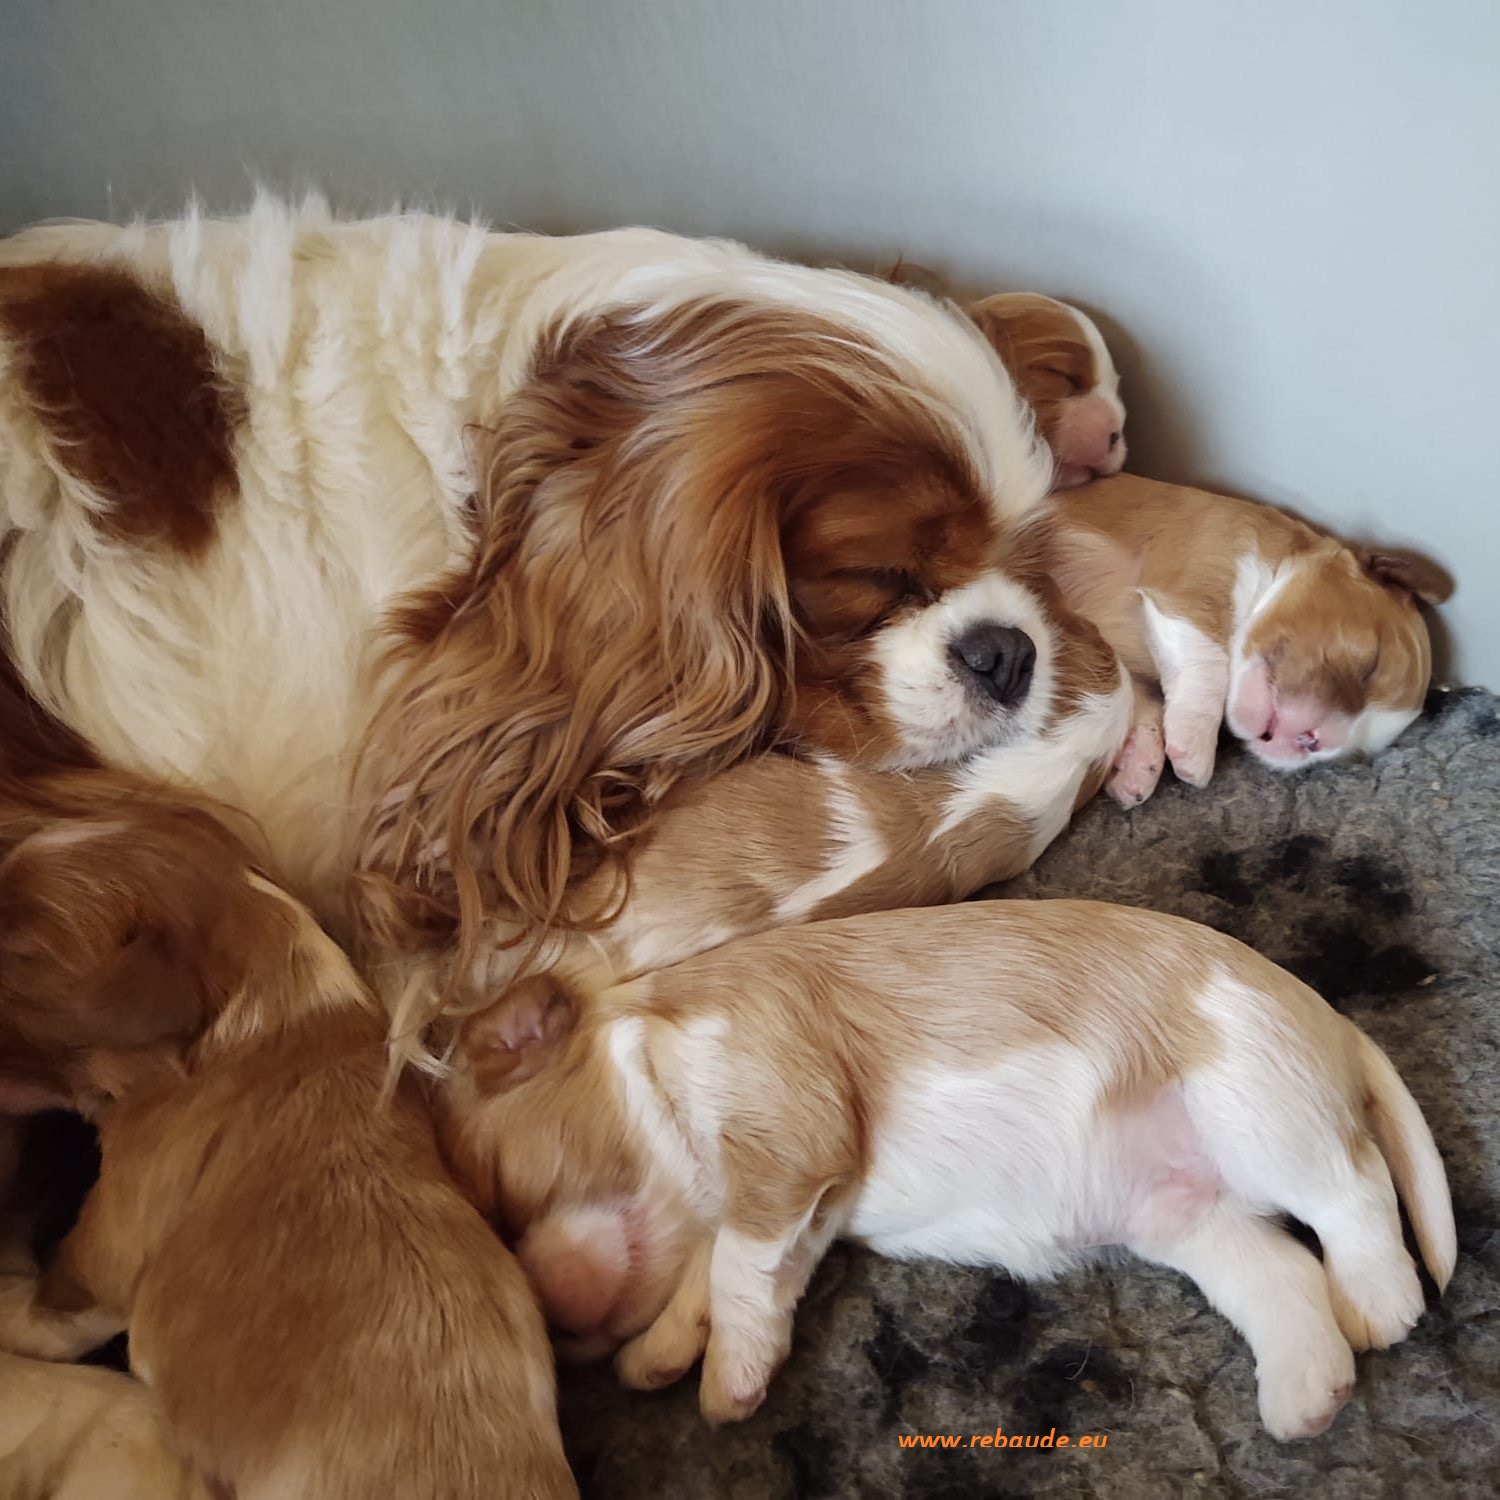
1307,648
779,839
1010,1083
1061,365
316,1308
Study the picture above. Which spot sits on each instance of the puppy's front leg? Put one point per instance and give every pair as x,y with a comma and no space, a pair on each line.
57,1315
1194,672
671,1346
755,1283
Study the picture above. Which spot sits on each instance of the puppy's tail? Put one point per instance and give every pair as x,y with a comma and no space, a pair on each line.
1410,1152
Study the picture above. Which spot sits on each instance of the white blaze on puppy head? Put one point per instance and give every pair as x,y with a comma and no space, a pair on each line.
1329,653
1009,1083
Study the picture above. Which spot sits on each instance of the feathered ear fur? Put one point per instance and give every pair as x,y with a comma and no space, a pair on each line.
628,619
1400,568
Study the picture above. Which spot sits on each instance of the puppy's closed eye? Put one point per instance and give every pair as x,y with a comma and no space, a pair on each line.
1073,382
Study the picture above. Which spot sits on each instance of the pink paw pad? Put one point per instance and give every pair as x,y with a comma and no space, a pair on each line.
1138,766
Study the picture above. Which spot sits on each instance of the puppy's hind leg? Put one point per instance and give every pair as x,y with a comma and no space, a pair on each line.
1274,1292
1285,1137
1138,763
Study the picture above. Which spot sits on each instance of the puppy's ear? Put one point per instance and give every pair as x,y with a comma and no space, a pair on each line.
1399,568
520,1034
909,273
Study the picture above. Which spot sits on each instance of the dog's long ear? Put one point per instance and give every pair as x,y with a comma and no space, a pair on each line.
1400,568
520,1034
631,617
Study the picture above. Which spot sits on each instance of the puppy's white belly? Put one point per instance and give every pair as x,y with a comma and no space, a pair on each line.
1016,1166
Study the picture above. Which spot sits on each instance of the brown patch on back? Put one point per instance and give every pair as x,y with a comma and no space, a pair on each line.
126,386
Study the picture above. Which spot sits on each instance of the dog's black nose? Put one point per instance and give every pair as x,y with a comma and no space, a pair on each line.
1000,659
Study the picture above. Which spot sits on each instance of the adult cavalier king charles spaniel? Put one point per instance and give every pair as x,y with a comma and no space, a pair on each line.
494,538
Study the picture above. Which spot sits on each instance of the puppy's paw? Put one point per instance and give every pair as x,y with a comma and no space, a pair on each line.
39,1331
721,1403
735,1380
1192,744
1302,1392
651,1361
1138,766
1376,1302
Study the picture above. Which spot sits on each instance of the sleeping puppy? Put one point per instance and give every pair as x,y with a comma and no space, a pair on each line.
782,839
1010,1083
314,1305
1309,649
1062,366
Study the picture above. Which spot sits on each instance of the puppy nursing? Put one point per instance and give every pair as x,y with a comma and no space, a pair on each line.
1010,1083
315,1307
1307,648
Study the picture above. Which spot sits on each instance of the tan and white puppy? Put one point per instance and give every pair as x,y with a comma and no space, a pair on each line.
781,839
1008,1083
1062,366
316,1309
1308,648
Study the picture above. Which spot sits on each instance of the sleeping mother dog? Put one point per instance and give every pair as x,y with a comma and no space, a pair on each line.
446,555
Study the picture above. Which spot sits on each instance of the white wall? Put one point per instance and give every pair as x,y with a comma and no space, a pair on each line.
1288,209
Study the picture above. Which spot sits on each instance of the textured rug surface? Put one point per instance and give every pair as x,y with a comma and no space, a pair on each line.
1379,884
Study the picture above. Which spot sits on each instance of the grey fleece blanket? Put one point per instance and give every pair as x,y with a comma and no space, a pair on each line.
1380,885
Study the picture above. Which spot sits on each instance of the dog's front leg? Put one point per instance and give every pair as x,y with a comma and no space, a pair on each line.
1194,672
755,1282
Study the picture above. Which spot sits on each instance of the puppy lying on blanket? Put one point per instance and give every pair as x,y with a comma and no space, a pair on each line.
780,840
1309,649
1009,1083
314,1305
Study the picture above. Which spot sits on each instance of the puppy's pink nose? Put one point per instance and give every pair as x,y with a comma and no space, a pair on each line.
1308,740
1114,441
